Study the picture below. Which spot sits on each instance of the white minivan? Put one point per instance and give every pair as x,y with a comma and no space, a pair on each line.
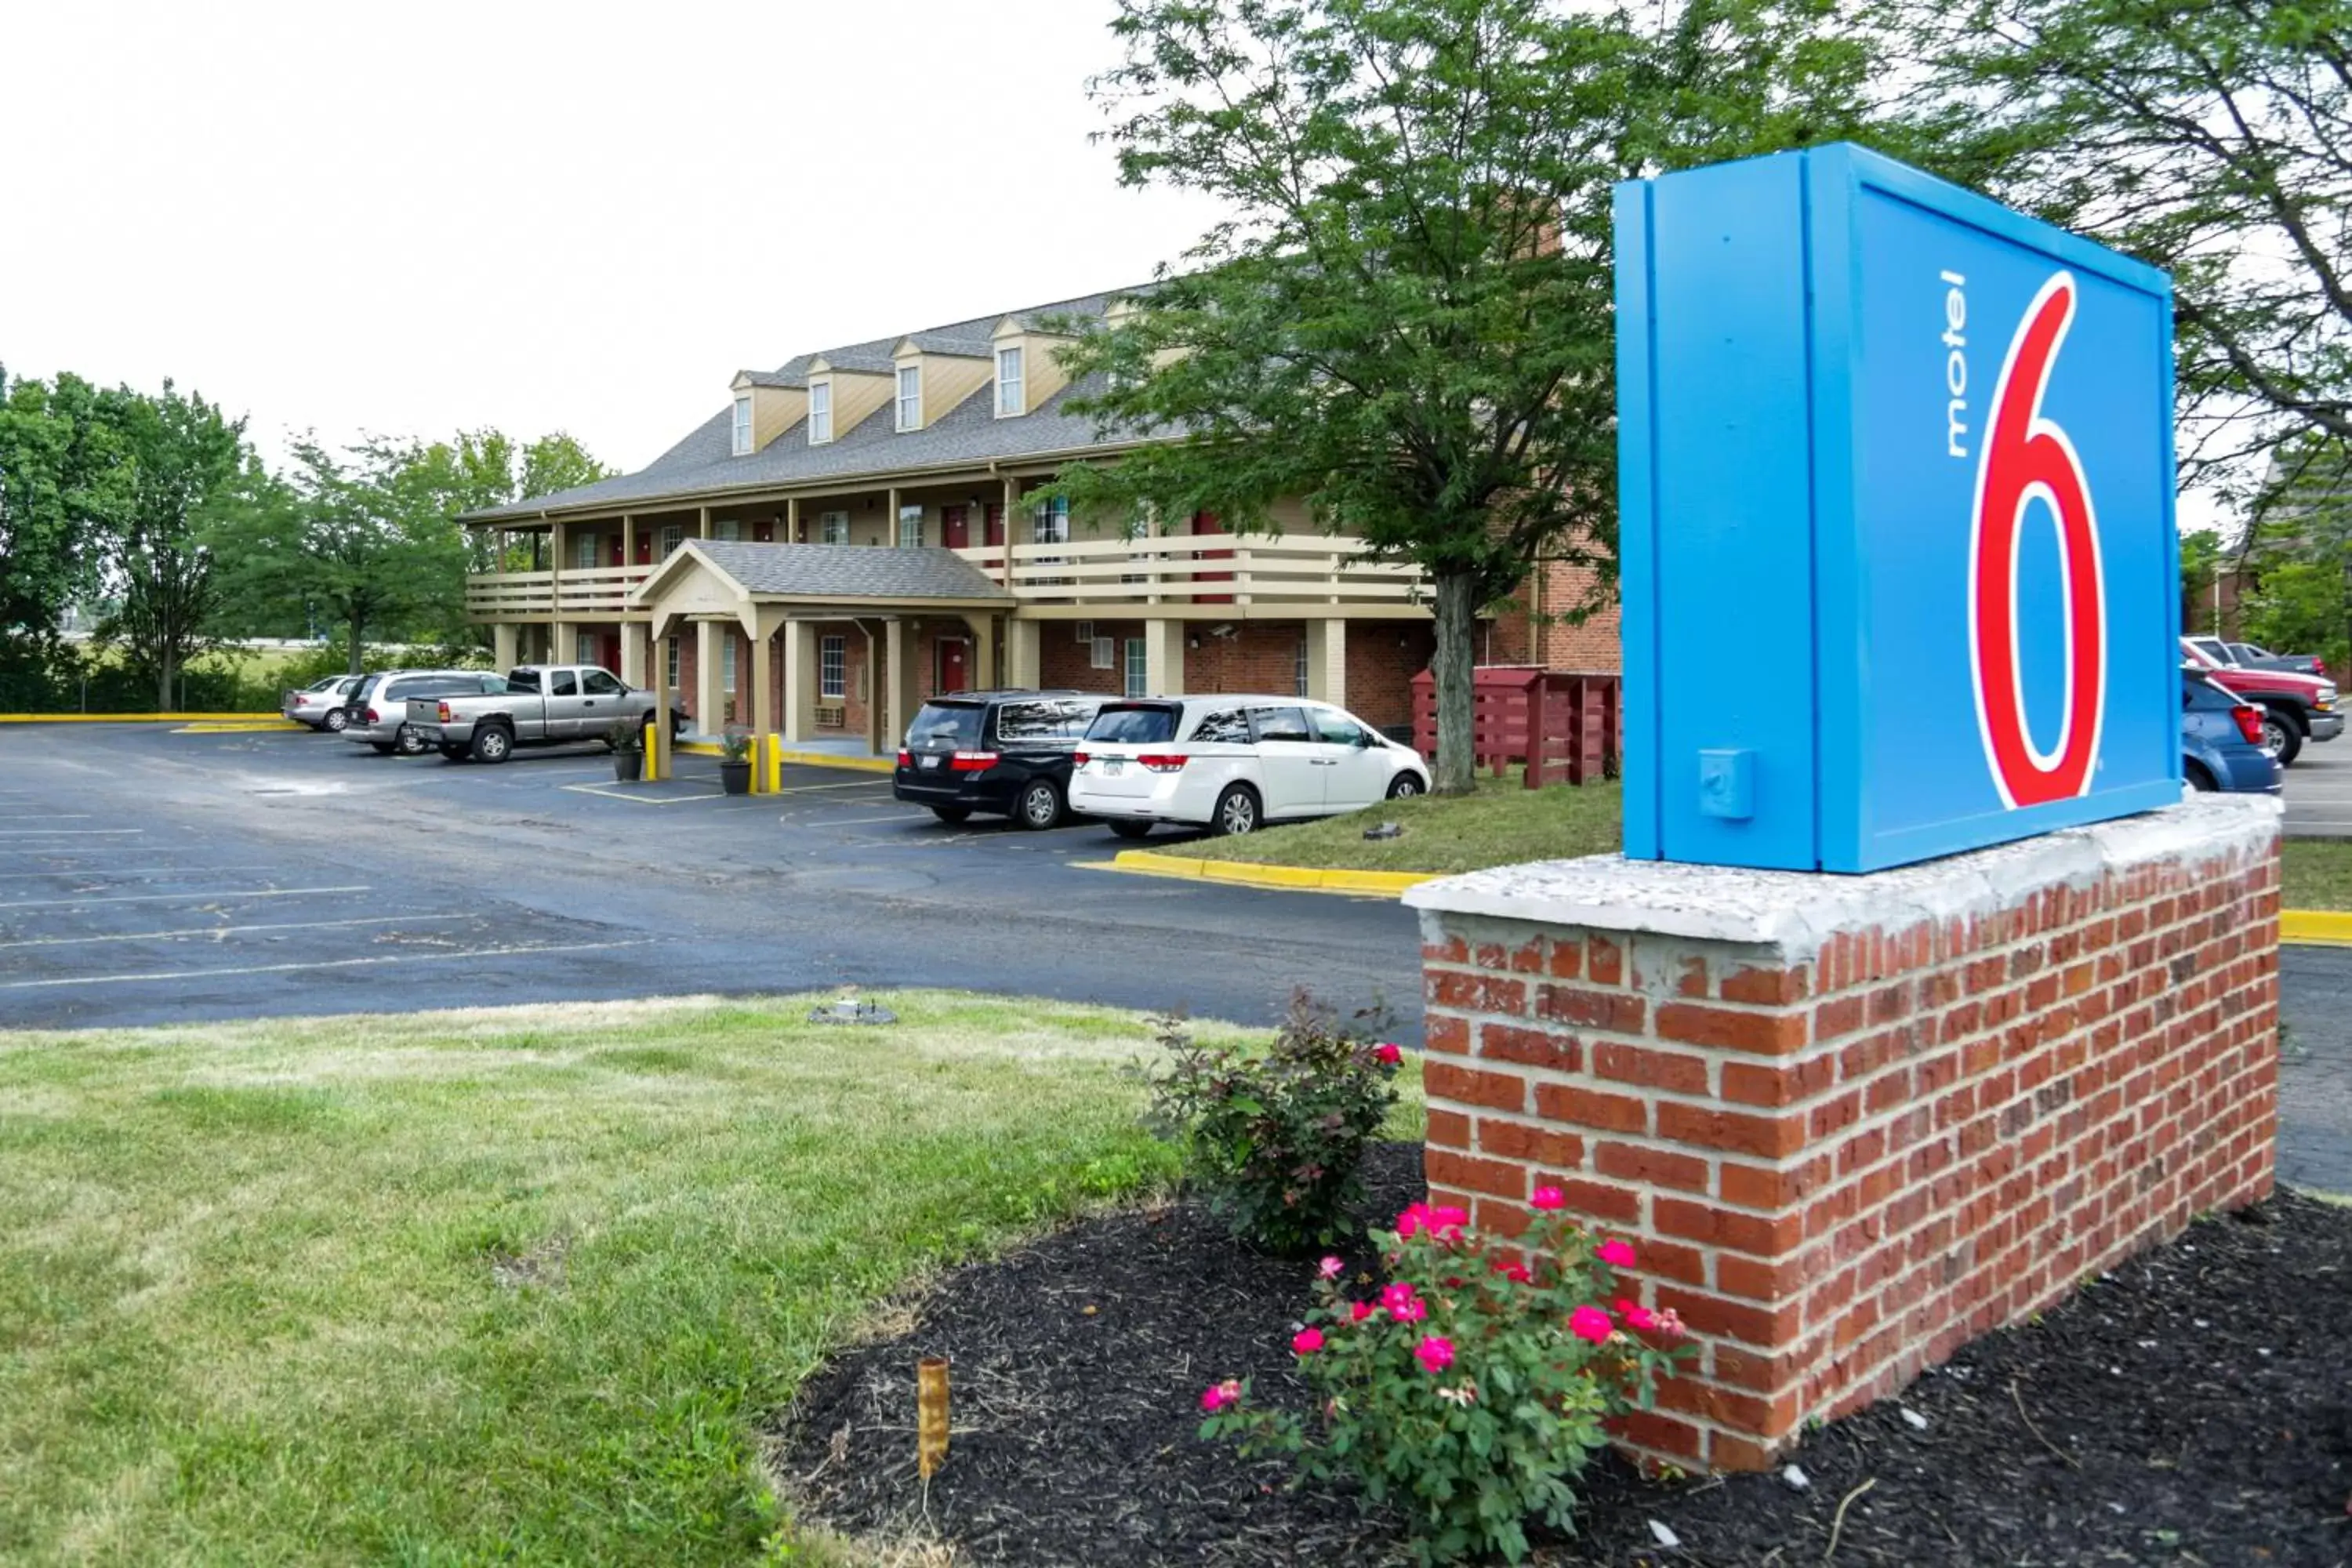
1233,763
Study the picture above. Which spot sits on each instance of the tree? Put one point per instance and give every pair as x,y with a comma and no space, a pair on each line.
1407,319
182,456
62,486
2212,138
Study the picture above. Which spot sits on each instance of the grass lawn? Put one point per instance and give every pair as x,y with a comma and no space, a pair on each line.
2316,874
504,1286
1503,823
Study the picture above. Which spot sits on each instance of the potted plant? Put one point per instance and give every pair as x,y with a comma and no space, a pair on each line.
735,759
627,740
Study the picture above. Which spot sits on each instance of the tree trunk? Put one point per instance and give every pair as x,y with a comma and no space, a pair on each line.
162,682
1457,651
357,651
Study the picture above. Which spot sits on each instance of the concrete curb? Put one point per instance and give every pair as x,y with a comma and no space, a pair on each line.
1289,879
2317,928
138,718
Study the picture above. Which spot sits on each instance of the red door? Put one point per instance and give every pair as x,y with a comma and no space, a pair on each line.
995,524
1206,523
609,650
955,665
955,528
612,556
645,547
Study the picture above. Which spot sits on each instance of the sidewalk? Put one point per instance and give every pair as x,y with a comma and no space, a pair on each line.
2315,1068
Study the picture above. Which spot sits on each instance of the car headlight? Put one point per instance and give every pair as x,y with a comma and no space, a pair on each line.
2326,695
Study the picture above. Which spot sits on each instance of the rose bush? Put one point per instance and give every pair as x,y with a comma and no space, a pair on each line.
1277,1142
1473,1389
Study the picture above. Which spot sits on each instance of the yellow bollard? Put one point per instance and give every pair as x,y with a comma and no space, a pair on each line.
652,769
775,765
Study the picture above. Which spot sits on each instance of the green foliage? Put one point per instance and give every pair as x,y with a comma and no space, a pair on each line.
1277,1140
1474,1390
625,735
735,744
2299,606
2200,563
1408,319
61,489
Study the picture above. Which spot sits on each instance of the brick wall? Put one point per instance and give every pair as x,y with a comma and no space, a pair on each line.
1383,658
1852,1123
1258,656
1067,663
1533,633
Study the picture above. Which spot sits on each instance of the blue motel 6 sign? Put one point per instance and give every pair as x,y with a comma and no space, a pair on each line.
1897,538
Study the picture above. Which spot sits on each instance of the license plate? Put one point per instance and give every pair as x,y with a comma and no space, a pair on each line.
931,762
1113,766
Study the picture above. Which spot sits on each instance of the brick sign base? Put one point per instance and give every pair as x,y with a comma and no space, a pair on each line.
1852,1122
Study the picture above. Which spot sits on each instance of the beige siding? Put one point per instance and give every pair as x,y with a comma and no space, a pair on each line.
774,410
856,394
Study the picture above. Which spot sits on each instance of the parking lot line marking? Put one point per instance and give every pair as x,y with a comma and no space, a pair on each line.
70,832
49,817
322,964
230,931
137,871
642,799
178,897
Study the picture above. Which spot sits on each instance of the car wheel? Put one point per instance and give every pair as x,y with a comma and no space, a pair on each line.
381,748
1040,805
952,812
1236,811
336,721
492,744
2281,737
1131,829
408,743
2199,779
1405,787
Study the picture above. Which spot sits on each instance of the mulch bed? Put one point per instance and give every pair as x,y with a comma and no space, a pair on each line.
2194,1407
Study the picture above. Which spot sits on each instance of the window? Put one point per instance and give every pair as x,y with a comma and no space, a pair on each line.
672,536
584,648
1226,727
1337,729
910,527
730,531
910,397
1086,632
583,551
956,723
669,660
563,683
832,667
743,425
1057,719
1139,669
1151,724
1008,382
1049,521
820,412
727,664
1287,725
833,528
1105,651
1299,670
597,683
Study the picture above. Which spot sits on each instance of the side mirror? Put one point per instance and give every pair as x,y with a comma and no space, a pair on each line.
1365,740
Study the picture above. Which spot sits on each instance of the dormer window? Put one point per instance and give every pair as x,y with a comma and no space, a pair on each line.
743,425
1009,399
910,397
820,396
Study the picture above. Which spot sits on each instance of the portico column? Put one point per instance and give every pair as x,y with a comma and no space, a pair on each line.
899,647
659,666
503,644
984,650
764,699
1327,662
799,681
633,654
1022,665
1163,658
709,679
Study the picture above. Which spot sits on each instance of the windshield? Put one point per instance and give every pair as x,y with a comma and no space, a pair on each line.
945,723
1136,725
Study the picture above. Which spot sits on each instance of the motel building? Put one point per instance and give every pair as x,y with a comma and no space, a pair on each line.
857,531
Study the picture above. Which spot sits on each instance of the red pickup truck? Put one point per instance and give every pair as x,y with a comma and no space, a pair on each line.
2296,708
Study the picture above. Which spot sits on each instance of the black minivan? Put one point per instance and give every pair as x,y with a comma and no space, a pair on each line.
1005,752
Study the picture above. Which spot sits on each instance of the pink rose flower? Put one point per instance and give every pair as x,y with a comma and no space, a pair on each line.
1413,1222
1590,1323
1435,1353
1386,1054
1217,1395
1395,1295
1446,1220
1412,1309
1635,1315
1512,1271
1616,1253
1330,1269
1307,1341
1358,1310
1547,1199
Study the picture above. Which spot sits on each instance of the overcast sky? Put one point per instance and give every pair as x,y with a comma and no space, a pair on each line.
419,218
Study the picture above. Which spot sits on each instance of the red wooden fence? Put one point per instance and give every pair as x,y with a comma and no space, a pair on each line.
1562,723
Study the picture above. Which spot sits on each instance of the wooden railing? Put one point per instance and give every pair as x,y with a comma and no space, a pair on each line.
1199,569
584,592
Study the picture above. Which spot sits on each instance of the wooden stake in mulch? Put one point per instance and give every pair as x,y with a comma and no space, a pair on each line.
930,1414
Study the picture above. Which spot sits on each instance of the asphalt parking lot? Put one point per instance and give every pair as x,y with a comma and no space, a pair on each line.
150,876
2319,791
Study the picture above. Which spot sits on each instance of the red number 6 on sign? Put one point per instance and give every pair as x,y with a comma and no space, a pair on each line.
2027,458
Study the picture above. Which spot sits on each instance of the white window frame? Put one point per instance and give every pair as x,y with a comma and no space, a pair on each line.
910,520
673,534
1086,632
1102,653
727,665
1014,405
910,405
833,528
743,425
669,660
726,530
1301,668
832,667
820,412
1138,668
583,551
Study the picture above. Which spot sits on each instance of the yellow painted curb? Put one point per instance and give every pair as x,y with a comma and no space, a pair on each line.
828,760
134,717
2322,928
1290,878
239,727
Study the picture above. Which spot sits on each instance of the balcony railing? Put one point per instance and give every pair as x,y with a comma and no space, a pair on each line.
584,593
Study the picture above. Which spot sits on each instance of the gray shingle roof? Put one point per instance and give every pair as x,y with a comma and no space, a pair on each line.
703,466
851,570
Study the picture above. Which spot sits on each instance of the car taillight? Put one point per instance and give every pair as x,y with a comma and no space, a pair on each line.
373,718
1080,759
905,758
1161,762
972,762
2250,721
445,712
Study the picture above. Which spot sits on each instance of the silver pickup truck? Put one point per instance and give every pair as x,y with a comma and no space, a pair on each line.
543,705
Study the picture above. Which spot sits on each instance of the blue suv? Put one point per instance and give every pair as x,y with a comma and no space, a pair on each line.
2220,740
